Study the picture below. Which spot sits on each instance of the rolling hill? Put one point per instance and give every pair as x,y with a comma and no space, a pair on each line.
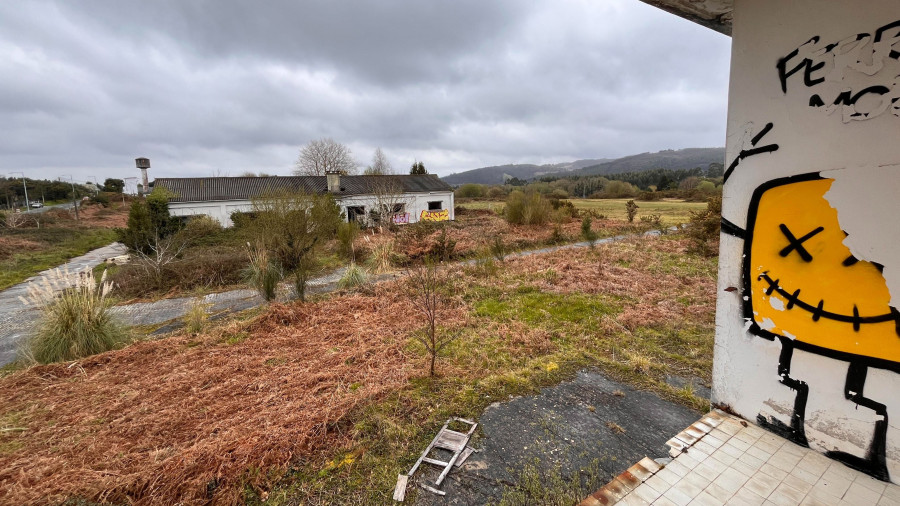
495,174
687,158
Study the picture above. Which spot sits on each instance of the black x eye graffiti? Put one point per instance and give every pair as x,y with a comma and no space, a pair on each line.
797,244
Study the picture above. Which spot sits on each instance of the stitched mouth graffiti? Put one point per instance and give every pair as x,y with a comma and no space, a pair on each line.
804,284
818,311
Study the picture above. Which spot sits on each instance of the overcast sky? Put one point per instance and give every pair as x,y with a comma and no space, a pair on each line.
220,87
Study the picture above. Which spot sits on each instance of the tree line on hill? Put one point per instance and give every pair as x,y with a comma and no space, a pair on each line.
12,190
694,184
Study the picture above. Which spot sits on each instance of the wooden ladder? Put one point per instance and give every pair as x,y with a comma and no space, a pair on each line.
446,439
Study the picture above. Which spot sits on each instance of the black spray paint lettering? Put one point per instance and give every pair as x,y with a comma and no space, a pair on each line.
817,63
746,153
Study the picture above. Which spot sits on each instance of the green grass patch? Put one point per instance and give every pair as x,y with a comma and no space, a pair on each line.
548,309
58,245
671,211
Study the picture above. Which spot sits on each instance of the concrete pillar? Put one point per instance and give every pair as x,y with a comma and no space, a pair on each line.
809,343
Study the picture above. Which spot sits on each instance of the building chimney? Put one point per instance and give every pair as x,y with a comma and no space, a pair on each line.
143,164
334,181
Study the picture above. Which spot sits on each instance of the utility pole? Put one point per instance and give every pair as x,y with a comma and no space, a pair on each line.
27,204
74,195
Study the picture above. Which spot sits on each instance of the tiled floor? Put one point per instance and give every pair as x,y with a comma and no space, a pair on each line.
722,459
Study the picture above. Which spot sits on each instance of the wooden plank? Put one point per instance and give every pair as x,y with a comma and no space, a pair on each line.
455,457
433,490
400,489
427,450
451,440
463,456
436,462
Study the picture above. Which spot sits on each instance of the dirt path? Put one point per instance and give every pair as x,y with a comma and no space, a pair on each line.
17,320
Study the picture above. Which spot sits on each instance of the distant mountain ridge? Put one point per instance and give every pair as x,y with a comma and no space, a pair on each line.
495,174
687,158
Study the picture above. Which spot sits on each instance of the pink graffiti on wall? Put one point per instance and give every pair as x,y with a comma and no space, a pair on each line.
400,218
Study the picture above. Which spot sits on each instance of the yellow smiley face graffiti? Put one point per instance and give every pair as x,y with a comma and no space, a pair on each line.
805,285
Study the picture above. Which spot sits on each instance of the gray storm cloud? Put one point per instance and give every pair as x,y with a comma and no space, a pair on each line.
222,87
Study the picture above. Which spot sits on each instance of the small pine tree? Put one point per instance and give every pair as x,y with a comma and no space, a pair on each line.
587,233
148,220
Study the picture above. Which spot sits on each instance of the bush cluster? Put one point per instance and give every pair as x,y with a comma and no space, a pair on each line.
703,229
527,209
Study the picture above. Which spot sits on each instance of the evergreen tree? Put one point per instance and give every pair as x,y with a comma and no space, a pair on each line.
418,168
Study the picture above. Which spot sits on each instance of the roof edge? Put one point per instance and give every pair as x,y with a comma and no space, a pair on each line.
716,18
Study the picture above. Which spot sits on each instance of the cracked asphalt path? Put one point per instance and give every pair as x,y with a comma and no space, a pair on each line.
567,426
16,319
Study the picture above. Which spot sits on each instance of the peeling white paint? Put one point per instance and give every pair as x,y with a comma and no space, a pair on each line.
870,222
776,303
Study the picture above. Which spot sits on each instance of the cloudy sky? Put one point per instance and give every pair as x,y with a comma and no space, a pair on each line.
220,87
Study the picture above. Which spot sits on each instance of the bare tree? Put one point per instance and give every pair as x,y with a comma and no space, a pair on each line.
380,165
389,199
324,155
161,252
427,285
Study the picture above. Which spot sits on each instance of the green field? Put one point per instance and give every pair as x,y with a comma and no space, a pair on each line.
57,246
672,211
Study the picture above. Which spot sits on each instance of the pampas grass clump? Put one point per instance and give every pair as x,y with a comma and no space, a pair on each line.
263,273
354,276
75,317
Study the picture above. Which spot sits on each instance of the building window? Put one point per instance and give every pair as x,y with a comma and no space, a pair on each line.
436,206
356,213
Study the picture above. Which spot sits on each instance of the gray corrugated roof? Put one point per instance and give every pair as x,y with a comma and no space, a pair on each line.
204,189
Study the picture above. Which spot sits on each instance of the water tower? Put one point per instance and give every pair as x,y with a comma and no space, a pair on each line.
143,164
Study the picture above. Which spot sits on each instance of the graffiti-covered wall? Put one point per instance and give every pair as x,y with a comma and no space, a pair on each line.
808,331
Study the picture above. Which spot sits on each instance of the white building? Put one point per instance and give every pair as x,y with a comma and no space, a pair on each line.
413,197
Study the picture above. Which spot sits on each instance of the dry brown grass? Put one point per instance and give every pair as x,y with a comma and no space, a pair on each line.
475,229
194,419
626,269
187,419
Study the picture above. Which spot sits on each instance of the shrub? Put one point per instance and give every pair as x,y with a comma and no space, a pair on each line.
496,192
200,267
354,276
484,266
707,187
527,209
559,194
498,248
470,190
443,247
148,222
649,196
75,319
654,220
293,226
587,233
241,219
101,199
631,210
564,207
619,190
201,226
704,226
347,233
196,317
382,258
263,273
